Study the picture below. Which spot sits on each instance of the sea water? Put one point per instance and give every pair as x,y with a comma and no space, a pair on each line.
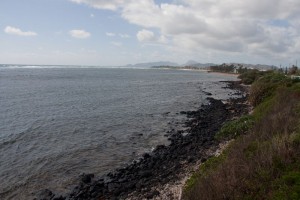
57,122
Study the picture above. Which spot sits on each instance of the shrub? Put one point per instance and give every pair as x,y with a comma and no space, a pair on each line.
288,186
266,86
263,164
250,76
204,170
235,128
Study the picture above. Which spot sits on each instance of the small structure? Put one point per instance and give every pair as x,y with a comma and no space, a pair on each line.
294,77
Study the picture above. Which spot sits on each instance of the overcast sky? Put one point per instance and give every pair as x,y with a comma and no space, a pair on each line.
118,32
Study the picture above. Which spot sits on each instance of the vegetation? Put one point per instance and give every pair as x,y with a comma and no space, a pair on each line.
235,128
249,76
293,70
267,86
236,69
264,160
224,68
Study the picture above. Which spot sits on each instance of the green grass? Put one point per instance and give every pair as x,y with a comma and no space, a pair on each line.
289,186
204,170
235,128
264,160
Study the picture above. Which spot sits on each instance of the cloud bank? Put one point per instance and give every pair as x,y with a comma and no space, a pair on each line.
16,31
268,28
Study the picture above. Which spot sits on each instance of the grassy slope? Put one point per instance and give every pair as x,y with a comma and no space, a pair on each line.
264,160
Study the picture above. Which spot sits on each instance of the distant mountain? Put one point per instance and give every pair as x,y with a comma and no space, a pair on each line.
190,62
153,64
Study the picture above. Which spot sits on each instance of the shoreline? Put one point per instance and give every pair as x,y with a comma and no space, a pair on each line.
161,173
223,73
198,70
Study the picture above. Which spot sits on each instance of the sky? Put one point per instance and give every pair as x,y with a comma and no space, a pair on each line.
120,32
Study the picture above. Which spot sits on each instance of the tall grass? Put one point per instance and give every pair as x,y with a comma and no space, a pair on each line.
264,163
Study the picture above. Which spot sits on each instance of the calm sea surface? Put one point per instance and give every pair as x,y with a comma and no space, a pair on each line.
56,123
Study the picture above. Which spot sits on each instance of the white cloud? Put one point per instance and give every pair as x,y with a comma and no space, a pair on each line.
148,36
124,35
118,44
121,35
246,27
80,34
92,15
102,4
16,31
143,12
260,9
110,34
163,39
145,36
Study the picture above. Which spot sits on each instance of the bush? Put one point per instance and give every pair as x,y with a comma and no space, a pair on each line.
288,186
266,86
250,76
235,128
204,170
263,164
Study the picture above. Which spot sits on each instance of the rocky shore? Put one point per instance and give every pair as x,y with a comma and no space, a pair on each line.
155,174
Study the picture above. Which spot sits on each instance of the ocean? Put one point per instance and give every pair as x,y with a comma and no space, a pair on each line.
57,122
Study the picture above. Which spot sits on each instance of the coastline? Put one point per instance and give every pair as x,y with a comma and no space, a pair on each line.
223,73
198,70
161,174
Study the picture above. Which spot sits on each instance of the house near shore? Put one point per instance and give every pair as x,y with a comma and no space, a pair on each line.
295,77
